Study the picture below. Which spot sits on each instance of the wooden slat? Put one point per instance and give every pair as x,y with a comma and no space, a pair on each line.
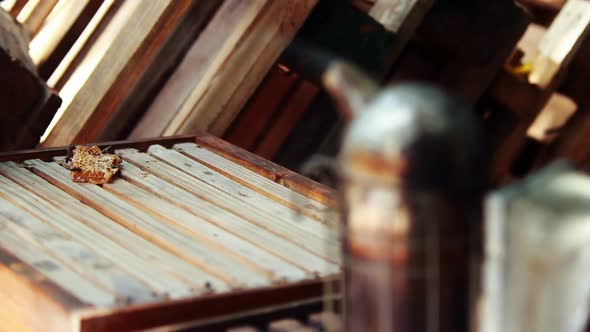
34,14
162,283
228,221
17,7
218,106
220,306
270,170
45,263
145,250
114,62
296,104
64,25
233,66
319,244
227,268
146,87
556,50
257,114
80,47
244,193
257,182
76,255
40,304
197,66
216,237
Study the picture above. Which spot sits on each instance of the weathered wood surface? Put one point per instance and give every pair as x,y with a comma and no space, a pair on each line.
169,232
125,47
226,63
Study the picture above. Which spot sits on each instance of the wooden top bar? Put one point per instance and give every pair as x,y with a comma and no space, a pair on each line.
184,232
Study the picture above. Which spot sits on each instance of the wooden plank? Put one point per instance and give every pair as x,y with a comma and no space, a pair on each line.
319,244
240,191
254,181
396,15
535,91
258,112
47,264
216,237
246,57
115,60
64,24
561,42
63,247
73,57
174,312
235,273
17,7
41,304
296,105
147,251
229,221
34,14
270,170
198,65
163,284
7,5
187,29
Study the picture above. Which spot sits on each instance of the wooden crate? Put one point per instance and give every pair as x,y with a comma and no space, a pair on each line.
192,228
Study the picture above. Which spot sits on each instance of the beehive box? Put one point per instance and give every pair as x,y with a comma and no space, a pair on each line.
185,231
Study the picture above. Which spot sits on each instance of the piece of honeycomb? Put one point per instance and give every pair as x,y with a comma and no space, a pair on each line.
90,164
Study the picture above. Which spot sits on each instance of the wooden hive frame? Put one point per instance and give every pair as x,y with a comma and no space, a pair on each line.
34,296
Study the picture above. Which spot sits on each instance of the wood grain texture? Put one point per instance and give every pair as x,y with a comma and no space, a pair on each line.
319,244
34,13
270,170
113,64
229,221
255,181
150,230
161,283
206,232
99,223
96,269
295,105
241,192
235,64
76,53
33,253
64,25
257,115
198,65
227,268
41,303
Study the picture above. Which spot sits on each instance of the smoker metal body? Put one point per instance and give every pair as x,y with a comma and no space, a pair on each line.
411,174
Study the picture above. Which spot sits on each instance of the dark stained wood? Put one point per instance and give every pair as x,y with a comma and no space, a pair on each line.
139,317
256,118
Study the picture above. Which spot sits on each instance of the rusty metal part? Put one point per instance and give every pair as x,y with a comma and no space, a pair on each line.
411,173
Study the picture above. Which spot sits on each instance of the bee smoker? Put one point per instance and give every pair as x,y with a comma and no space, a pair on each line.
411,173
